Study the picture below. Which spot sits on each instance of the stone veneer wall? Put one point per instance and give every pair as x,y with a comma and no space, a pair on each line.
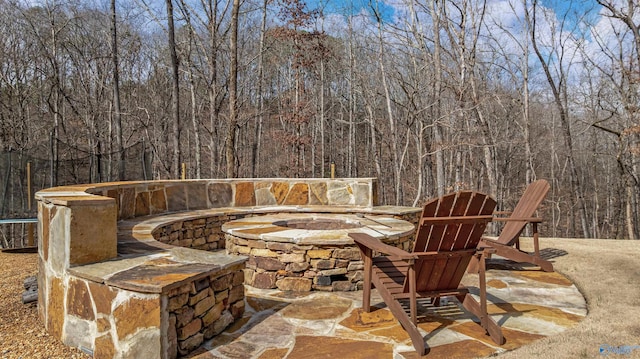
137,199
202,233
202,309
300,268
119,323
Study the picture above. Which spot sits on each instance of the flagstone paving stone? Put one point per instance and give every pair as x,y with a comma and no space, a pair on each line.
528,304
307,347
515,338
324,307
458,350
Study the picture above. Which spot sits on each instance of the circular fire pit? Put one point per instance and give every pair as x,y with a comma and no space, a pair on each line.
303,252
320,224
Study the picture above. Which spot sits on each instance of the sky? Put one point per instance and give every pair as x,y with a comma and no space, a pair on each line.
560,6
579,27
353,7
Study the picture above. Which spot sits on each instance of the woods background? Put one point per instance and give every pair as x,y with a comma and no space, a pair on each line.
428,96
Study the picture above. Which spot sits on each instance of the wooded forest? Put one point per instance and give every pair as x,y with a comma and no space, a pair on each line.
428,96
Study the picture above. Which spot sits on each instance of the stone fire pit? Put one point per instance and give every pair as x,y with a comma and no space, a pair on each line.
303,252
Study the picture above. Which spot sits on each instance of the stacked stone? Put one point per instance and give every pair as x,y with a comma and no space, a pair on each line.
203,233
292,267
202,309
413,217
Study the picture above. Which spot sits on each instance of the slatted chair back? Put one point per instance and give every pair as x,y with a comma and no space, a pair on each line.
451,225
526,208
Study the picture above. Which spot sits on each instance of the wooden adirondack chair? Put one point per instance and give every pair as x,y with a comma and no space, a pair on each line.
507,245
446,240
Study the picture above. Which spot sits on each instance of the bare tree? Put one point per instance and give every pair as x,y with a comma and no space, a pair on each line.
621,69
558,86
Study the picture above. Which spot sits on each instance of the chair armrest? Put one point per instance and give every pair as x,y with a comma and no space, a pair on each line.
367,241
487,250
488,241
490,245
447,254
516,219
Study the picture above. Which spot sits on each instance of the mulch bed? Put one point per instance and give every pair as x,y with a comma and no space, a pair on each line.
22,335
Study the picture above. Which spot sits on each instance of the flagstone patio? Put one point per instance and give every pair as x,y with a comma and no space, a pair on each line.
140,281
527,303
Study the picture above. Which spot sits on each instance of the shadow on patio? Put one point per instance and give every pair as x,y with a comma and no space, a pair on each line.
528,304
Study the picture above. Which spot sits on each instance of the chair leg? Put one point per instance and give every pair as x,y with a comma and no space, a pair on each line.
399,313
536,246
487,323
436,302
545,265
480,309
411,277
366,290
474,263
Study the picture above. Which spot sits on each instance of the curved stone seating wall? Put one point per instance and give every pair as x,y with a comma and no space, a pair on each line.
137,199
107,283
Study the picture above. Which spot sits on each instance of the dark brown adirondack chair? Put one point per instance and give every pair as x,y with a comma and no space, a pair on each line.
446,240
507,245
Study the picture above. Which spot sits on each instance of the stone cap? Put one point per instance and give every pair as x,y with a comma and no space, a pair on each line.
275,228
71,197
158,272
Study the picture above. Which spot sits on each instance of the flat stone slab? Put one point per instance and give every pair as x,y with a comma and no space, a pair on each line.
288,228
158,272
332,325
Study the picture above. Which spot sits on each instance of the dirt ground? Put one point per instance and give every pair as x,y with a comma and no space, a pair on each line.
607,272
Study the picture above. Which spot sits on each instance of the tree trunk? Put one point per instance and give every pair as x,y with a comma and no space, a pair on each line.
192,91
393,131
117,121
259,118
230,150
175,99
374,147
196,124
56,106
530,174
438,139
